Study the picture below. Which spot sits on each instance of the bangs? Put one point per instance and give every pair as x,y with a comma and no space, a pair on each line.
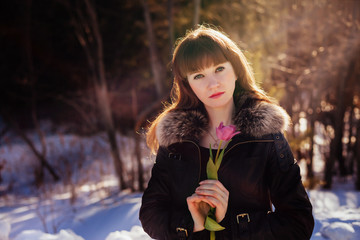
198,54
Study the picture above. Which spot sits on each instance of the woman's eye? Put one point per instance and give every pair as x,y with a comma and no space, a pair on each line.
198,76
220,69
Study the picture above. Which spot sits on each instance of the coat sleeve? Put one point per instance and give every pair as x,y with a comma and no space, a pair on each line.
157,215
292,218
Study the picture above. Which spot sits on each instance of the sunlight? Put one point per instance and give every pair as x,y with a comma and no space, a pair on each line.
102,184
63,196
25,217
303,124
86,188
23,209
319,140
357,113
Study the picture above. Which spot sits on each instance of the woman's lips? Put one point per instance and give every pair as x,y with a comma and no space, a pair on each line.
216,95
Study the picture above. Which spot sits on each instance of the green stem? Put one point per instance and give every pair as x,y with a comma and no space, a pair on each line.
218,151
212,235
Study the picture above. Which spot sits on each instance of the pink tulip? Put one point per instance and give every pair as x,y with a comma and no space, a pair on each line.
225,133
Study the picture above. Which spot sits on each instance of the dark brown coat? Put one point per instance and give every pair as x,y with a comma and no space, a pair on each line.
258,169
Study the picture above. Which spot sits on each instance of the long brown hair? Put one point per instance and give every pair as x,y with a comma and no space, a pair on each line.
199,49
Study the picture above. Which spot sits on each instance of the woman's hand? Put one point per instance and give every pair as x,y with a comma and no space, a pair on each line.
209,193
199,210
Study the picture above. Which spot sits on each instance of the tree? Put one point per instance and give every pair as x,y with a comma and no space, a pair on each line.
87,31
357,155
315,70
31,84
157,67
197,5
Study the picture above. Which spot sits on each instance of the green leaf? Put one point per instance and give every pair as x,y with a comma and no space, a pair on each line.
219,160
212,225
211,170
211,155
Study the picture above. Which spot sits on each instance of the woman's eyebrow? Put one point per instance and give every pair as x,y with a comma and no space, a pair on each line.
196,71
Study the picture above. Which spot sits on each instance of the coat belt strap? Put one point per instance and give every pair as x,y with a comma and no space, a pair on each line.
182,233
243,221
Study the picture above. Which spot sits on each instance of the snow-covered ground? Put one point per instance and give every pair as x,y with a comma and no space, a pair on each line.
90,208
110,218
337,215
336,212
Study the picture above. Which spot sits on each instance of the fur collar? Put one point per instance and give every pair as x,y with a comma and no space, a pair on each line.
254,118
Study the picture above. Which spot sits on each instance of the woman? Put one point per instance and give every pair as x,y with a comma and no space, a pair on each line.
213,83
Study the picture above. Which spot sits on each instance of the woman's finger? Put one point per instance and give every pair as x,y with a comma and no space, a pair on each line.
207,199
195,198
213,182
218,195
212,190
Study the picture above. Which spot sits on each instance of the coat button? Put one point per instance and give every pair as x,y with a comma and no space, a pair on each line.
277,137
282,155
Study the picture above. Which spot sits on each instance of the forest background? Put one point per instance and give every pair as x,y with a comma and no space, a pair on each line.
88,67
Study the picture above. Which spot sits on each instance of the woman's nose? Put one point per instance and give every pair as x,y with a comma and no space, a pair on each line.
213,82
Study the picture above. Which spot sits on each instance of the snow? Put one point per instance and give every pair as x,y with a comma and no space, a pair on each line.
4,230
336,212
37,234
136,232
339,230
89,207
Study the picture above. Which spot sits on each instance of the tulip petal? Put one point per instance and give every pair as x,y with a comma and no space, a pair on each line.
219,134
225,133
235,133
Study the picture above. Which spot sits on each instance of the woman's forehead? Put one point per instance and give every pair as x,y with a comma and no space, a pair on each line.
204,62
209,64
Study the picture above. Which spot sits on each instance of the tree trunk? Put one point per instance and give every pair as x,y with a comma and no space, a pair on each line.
88,33
157,68
140,170
197,4
336,146
309,162
357,156
102,95
336,142
104,108
171,25
32,80
137,149
350,146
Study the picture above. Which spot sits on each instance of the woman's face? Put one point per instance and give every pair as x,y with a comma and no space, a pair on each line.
214,85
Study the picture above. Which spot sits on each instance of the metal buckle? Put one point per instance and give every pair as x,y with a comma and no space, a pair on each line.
243,215
182,230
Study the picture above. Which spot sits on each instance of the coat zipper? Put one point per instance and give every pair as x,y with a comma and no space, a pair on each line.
199,152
